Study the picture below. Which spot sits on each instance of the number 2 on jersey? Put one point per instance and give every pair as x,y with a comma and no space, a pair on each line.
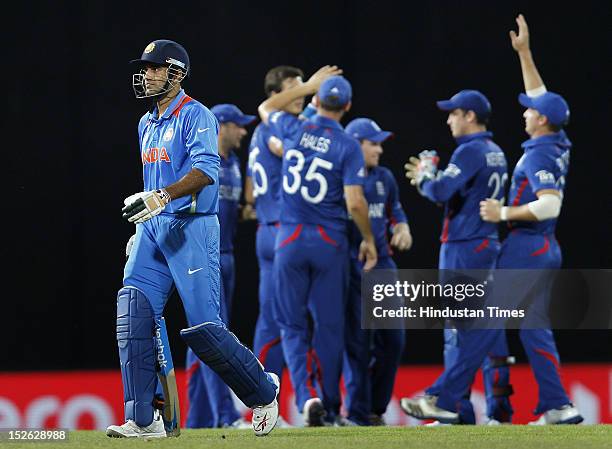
500,182
311,175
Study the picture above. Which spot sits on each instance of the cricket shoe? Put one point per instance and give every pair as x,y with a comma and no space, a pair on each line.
314,412
568,414
266,416
377,420
132,430
341,421
425,408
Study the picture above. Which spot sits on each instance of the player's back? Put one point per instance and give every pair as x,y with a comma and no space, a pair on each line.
463,220
264,168
318,161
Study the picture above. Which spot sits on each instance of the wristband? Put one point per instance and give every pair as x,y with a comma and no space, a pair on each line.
164,195
503,213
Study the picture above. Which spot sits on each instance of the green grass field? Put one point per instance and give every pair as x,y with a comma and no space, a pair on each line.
455,437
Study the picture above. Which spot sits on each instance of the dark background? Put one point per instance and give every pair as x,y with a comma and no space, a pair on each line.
71,120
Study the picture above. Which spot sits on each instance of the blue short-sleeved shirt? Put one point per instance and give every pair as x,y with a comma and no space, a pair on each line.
183,138
543,166
319,159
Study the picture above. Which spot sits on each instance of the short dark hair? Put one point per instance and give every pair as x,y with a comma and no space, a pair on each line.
275,77
332,106
480,119
554,128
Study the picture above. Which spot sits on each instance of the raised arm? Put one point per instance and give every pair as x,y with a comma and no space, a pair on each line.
280,100
534,85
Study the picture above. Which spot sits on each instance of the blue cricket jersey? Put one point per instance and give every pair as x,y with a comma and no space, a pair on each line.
319,159
230,189
264,168
544,165
183,138
385,210
477,170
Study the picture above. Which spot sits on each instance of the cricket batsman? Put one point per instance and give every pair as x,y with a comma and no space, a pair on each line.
177,245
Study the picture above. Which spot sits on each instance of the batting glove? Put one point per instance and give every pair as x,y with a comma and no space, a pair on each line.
143,206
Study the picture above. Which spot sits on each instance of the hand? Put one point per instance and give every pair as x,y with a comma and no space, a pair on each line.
425,166
367,253
248,212
401,239
490,210
520,42
321,75
129,245
143,206
275,146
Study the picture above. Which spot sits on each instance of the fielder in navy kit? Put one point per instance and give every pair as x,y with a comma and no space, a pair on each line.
263,190
372,357
536,193
323,169
177,246
477,170
210,401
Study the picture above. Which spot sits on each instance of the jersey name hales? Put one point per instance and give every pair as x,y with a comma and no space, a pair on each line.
152,155
317,143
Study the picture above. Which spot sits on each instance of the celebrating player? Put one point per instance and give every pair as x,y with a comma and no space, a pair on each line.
262,189
477,170
210,401
372,358
536,195
323,169
177,244
537,187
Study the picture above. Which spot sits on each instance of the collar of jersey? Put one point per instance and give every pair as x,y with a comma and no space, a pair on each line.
326,122
559,138
469,137
171,107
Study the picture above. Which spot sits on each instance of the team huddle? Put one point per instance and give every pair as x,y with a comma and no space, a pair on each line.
327,212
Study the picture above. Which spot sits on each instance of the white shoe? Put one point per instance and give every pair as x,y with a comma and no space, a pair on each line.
314,413
132,430
568,414
492,422
266,416
425,408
